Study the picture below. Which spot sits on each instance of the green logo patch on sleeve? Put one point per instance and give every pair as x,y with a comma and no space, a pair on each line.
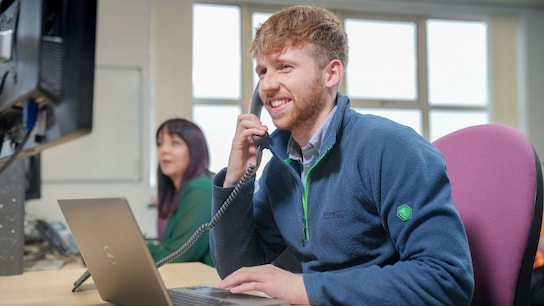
404,212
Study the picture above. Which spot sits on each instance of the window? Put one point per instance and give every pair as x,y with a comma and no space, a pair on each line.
216,74
457,61
458,82
382,59
216,77
385,75
218,122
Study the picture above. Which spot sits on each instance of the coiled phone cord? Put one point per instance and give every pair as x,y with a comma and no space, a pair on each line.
250,171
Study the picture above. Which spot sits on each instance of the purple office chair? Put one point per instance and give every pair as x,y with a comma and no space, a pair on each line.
496,180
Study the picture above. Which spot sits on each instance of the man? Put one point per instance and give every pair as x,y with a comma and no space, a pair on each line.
363,203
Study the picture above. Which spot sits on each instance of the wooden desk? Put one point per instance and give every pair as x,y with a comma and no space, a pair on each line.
55,287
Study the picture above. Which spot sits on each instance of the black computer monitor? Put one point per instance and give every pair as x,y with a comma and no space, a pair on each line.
47,62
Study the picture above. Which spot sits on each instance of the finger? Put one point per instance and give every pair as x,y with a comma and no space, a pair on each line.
240,276
231,281
245,287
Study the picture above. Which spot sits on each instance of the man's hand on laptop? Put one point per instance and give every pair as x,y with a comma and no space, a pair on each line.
273,281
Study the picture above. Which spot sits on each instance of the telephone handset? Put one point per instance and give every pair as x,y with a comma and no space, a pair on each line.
261,142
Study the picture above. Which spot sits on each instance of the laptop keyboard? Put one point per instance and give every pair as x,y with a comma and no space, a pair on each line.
180,298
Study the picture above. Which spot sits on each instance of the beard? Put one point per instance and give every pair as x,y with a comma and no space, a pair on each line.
307,106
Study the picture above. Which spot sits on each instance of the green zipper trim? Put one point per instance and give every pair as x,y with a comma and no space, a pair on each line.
306,192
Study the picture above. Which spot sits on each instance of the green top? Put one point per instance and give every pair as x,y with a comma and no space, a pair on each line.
194,209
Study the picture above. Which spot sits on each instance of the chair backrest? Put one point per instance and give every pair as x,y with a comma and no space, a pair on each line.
496,180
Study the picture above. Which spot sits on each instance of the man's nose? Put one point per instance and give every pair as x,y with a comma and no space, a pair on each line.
269,82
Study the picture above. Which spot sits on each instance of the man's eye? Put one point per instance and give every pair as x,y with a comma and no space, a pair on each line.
286,67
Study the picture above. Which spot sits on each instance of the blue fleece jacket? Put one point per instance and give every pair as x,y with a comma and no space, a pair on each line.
375,224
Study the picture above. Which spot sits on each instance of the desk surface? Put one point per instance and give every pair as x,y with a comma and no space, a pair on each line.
55,287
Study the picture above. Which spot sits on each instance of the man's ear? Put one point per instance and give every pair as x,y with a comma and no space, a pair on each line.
333,74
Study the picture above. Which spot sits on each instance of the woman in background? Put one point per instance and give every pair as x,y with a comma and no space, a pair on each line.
184,190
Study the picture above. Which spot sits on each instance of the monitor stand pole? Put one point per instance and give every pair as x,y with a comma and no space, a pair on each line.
12,211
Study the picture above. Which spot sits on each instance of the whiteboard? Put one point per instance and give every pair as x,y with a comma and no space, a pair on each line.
113,150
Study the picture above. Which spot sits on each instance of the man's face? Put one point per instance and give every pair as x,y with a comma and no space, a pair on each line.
292,88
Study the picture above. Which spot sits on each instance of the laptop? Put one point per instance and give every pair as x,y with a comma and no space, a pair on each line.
121,266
